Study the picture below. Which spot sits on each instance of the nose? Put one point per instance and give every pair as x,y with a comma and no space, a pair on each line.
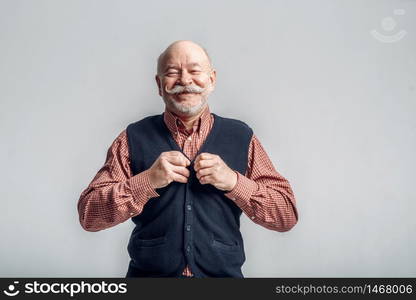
185,79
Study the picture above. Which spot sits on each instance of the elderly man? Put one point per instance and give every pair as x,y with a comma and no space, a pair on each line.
184,177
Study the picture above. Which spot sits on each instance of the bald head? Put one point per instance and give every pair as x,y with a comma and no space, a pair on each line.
181,49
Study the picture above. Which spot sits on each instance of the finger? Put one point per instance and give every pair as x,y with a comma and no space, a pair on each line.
177,158
204,155
181,170
175,154
178,177
204,163
204,172
206,179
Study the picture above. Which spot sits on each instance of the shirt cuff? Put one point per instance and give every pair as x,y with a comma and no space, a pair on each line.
242,191
141,187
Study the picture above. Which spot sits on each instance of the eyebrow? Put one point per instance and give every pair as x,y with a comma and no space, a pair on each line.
171,66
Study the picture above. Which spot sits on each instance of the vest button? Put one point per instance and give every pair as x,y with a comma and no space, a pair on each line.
188,248
188,227
188,207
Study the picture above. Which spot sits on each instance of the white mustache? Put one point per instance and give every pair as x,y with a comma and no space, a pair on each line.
177,89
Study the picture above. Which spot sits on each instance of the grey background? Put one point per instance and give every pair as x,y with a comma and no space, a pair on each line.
333,106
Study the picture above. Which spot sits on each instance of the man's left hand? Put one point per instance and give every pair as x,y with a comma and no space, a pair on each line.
210,168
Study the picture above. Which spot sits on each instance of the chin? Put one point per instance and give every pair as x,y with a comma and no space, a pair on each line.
185,110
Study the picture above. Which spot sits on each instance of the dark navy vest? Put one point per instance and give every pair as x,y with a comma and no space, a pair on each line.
189,223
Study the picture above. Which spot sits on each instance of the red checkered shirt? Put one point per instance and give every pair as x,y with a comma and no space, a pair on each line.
115,195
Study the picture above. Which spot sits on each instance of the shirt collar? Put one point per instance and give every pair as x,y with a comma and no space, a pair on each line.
175,124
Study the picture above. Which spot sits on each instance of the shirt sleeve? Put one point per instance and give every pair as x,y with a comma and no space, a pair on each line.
114,195
263,194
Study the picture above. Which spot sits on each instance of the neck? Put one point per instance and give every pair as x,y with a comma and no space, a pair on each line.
188,121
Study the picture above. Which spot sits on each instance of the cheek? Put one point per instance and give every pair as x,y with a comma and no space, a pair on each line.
202,80
168,84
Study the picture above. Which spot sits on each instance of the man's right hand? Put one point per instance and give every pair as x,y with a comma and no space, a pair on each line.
169,166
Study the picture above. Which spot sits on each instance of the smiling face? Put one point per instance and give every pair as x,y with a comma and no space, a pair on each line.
185,78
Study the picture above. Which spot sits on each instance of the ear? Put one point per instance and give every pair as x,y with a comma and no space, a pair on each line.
159,84
213,77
